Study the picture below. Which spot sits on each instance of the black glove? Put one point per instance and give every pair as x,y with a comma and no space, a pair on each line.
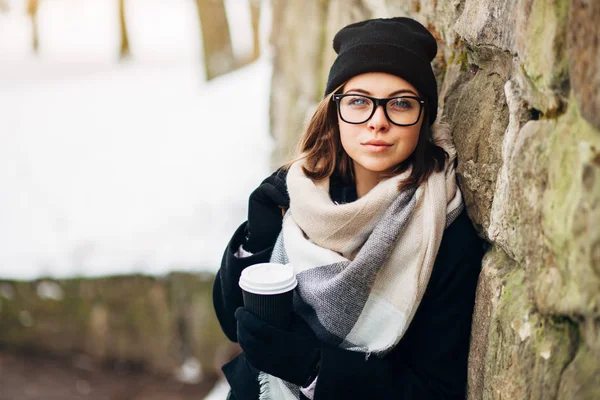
291,355
264,212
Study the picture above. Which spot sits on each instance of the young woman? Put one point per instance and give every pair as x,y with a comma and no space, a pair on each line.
371,218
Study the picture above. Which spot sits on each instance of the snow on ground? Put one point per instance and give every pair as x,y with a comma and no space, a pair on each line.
111,168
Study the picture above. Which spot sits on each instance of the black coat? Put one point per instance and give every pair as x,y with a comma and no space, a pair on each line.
429,362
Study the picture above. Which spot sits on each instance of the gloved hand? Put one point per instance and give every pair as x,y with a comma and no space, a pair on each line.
265,212
291,355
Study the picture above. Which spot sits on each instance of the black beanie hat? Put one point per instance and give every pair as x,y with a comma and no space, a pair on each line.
399,46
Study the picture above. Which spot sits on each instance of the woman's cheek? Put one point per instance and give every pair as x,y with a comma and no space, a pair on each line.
349,140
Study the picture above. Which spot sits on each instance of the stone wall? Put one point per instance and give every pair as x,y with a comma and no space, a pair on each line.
519,84
154,323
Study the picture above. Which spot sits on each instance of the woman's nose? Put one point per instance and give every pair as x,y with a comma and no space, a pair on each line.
379,121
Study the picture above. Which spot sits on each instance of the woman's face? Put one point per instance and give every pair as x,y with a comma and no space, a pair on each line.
377,145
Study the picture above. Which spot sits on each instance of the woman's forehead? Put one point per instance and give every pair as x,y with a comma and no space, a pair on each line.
378,84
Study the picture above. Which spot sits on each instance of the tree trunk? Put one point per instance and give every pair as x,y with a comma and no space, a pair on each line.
4,7
216,40
124,51
32,9
255,15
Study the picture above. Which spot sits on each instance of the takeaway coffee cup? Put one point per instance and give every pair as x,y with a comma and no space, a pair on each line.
268,290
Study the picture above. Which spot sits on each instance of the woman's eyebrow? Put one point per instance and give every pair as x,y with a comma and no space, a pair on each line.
359,91
401,91
397,92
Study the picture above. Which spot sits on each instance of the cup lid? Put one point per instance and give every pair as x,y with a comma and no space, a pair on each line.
268,278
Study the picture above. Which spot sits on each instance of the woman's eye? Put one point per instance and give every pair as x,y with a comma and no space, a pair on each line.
358,101
401,104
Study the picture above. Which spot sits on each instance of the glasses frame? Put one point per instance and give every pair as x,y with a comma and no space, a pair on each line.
378,102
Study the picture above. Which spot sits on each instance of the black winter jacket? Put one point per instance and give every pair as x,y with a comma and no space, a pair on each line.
429,362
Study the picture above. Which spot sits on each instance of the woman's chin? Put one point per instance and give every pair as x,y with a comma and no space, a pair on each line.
378,166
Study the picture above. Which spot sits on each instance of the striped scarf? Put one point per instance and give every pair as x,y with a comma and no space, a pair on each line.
371,258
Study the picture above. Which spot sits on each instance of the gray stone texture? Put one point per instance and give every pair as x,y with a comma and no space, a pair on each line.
155,322
516,353
519,85
583,48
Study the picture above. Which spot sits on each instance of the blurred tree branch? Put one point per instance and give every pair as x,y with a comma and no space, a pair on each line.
255,15
124,50
32,9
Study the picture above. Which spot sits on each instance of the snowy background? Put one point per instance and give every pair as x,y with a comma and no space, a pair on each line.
111,167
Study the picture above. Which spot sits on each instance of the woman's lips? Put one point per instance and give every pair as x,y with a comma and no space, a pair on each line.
377,148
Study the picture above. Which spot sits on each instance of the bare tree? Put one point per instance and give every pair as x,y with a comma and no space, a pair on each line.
216,40
124,51
32,11
255,15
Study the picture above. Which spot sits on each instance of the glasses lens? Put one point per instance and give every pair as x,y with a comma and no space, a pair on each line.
403,110
355,109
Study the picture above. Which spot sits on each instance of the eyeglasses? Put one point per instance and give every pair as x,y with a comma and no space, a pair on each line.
358,109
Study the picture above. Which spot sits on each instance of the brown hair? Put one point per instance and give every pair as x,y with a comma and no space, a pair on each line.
321,149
